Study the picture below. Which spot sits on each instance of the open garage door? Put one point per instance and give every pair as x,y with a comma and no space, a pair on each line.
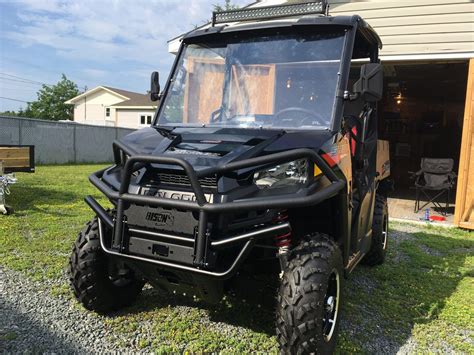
464,213
422,116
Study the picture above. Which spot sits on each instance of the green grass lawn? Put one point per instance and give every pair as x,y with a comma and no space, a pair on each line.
422,295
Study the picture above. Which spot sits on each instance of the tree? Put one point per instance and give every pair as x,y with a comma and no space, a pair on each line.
216,8
26,112
227,6
9,113
50,102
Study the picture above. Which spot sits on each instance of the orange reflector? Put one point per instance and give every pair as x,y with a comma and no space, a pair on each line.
317,171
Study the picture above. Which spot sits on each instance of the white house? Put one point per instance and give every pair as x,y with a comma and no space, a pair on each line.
106,106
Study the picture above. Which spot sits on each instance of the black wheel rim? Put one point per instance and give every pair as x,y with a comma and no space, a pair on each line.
331,306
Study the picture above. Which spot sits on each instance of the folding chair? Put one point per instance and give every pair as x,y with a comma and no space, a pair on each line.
435,178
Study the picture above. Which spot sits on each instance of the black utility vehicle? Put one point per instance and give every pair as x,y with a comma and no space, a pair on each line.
262,158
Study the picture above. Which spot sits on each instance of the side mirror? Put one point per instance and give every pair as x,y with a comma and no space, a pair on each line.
370,84
155,86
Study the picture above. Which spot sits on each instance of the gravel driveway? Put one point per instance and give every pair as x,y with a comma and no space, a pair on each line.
33,321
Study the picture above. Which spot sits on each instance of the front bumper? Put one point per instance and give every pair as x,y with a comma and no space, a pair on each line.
202,246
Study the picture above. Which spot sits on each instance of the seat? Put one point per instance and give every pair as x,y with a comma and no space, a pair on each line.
435,179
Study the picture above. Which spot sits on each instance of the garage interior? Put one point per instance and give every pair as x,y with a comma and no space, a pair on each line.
421,115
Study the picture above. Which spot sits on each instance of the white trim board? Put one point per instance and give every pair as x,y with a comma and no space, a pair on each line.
98,88
408,57
134,107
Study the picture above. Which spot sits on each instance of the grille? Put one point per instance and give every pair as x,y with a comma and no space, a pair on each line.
183,180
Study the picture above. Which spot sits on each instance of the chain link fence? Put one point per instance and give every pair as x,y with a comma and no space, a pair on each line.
61,142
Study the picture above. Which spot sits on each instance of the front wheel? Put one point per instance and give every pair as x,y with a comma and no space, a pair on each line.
97,281
309,298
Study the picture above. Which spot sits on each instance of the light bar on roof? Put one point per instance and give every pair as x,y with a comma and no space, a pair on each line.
270,12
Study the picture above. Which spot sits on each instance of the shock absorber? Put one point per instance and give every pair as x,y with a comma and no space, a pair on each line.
283,242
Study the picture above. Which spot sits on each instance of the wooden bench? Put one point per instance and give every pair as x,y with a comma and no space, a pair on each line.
17,158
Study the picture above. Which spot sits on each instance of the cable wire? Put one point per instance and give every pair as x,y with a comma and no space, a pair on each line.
9,98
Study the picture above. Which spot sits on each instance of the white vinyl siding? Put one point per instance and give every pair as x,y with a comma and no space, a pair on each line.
92,108
410,29
131,118
416,27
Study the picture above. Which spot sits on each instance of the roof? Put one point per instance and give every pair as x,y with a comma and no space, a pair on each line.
410,30
306,20
134,98
320,19
130,98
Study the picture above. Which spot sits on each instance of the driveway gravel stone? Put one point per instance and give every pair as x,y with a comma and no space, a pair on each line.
34,321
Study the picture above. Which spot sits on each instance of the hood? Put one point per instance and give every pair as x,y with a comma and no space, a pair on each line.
207,147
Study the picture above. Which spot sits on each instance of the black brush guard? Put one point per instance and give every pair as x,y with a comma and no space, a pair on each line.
307,197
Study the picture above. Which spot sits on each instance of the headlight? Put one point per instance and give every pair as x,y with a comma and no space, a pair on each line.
288,174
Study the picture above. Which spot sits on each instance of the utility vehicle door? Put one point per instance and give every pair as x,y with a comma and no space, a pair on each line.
361,123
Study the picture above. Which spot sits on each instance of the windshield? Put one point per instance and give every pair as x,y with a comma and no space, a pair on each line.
278,81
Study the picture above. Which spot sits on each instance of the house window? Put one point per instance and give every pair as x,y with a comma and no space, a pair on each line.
145,120
107,112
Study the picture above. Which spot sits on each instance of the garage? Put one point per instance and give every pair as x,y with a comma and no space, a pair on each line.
421,115
427,110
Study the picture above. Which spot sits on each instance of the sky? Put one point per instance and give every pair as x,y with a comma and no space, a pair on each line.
116,43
